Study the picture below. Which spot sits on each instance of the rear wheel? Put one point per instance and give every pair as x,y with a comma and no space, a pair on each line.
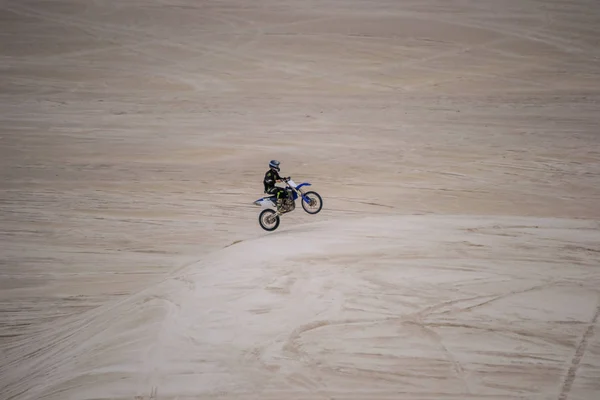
268,220
314,204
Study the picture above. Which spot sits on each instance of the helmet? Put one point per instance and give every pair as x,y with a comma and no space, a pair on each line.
274,164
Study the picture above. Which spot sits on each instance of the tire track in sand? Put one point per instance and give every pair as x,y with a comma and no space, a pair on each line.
578,356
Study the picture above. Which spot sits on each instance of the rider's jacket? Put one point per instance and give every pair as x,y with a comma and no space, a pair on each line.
270,178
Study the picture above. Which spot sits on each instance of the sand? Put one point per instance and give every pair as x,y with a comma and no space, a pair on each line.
456,148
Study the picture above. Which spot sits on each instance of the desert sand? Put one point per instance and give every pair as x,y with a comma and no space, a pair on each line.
456,146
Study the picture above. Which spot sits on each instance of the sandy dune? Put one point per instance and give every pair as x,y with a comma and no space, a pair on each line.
455,145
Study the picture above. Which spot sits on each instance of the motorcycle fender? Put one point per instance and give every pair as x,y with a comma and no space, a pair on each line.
263,203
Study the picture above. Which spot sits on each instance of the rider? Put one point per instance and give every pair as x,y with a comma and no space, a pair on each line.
271,177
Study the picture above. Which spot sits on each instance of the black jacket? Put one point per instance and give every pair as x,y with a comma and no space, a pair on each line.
271,177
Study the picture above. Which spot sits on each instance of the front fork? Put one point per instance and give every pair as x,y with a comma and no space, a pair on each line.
301,195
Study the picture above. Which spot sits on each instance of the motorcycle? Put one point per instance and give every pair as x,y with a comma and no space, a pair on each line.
269,219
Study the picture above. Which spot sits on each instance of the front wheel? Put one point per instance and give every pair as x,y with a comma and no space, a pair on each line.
312,202
268,220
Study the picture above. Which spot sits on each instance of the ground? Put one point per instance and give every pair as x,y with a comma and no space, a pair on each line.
456,148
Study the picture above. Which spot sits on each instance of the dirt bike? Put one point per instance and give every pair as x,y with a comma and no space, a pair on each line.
269,219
